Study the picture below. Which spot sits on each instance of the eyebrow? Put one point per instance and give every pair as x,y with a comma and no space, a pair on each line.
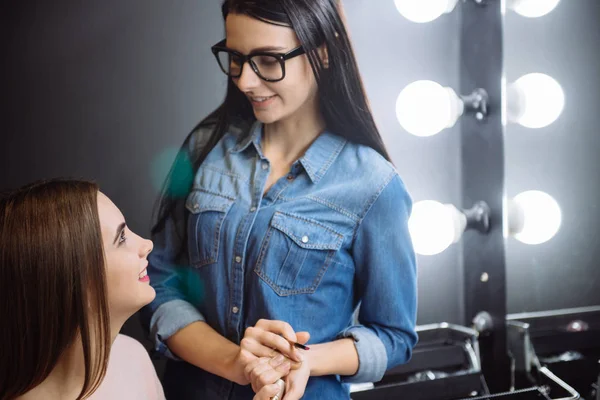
268,48
262,49
120,228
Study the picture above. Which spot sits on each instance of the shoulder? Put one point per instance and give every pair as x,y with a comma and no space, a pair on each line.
125,345
372,173
130,373
201,134
366,163
126,341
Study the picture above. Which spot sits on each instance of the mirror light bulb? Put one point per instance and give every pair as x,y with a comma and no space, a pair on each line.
534,217
533,8
535,100
435,226
424,108
421,11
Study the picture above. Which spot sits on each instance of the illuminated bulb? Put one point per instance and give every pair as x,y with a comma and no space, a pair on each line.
534,217
424,10
535,100
434,226
532,8
424,108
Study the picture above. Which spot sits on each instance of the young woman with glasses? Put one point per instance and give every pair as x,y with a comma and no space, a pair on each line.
281,216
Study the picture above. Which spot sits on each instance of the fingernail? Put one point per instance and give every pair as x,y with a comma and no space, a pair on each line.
296,365
283,367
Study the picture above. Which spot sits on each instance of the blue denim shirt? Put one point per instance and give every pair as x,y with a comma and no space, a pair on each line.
327,238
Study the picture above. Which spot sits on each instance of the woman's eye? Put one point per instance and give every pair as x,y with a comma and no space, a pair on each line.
122,238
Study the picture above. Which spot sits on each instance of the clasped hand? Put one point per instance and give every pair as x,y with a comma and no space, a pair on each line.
267,354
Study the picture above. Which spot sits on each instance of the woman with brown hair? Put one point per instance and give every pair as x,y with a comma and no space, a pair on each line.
71,274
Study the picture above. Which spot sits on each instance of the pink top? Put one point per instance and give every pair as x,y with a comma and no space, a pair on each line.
130,374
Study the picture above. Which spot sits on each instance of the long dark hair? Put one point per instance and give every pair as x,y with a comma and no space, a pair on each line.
52,284
342,97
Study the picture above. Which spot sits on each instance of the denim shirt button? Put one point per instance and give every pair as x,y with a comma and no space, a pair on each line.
235,310
265,165
253,209
304,239
238,259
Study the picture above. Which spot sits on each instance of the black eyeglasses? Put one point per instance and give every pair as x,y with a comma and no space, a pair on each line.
267,65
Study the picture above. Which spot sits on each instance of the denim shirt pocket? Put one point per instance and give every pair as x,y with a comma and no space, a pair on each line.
296,253
207,213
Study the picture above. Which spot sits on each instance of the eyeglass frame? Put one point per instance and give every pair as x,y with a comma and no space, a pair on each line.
281,57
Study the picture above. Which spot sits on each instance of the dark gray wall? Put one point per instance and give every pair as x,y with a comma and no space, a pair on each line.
101,90
560,159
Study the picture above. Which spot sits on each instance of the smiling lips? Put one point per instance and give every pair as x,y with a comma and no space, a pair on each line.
261,101
143,276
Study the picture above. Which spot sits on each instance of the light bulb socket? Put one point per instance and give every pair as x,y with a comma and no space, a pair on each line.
483,322
478,217
476,103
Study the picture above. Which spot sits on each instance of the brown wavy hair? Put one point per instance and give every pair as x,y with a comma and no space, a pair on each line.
52,284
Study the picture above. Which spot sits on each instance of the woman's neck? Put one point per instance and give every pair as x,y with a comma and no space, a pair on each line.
290,138
66,379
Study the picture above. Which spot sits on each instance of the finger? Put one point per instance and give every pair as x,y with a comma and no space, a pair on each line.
257,349
302,337
255,379
267,392
270,375
260,368
295,365
247,357
265,337
261,343
279,327
279,396
267,371
253,365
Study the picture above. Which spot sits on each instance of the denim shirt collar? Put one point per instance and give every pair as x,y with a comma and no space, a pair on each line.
316,160
253,137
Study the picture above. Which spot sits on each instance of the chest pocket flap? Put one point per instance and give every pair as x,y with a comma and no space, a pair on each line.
205,223
307,233
296,253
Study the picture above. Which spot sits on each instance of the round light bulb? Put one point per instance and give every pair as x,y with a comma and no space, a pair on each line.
434,226
533,8
535,100
534,217
424,10
424,108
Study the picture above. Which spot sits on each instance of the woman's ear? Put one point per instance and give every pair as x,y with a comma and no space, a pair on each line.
324,55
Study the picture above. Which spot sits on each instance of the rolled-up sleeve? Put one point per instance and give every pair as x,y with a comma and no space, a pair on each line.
386,282
169,318
169,267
